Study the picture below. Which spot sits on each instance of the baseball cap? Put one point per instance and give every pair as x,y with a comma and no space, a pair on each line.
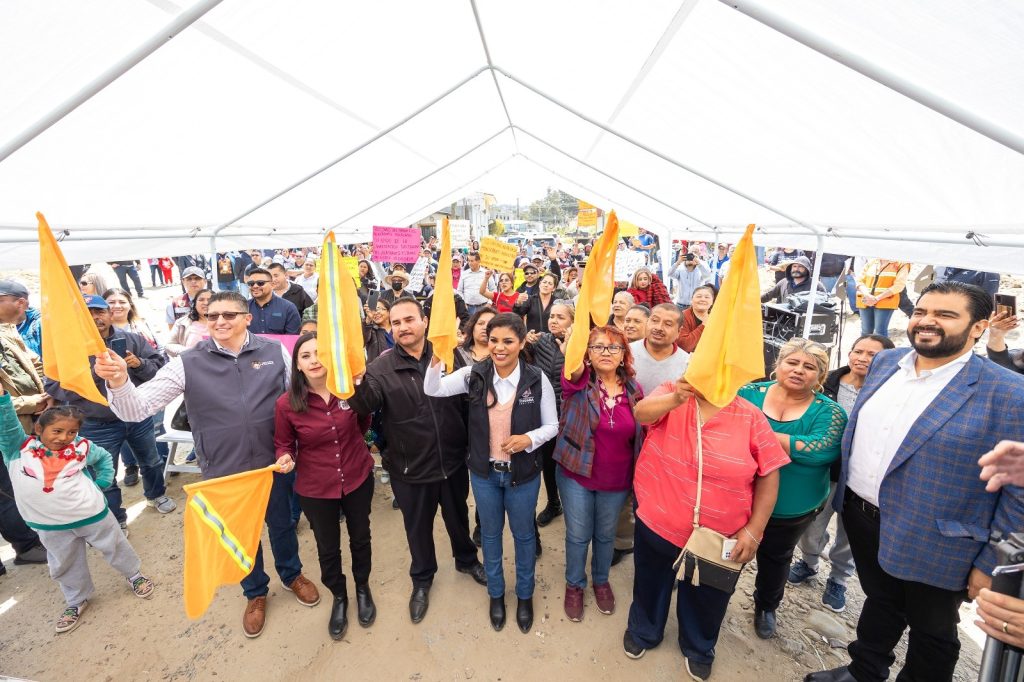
8,287
193,271
95,302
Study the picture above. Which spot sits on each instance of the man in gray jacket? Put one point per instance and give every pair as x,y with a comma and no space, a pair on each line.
231,435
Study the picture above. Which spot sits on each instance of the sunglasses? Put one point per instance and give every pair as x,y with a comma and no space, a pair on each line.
84,282
213,317
257,282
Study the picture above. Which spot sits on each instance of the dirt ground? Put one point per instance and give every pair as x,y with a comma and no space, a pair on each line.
124,638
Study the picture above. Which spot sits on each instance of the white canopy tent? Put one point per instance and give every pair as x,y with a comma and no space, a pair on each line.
262,123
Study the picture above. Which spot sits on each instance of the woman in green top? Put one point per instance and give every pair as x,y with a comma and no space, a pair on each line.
809,427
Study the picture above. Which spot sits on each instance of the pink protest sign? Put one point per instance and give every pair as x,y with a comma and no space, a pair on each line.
396,244
286,340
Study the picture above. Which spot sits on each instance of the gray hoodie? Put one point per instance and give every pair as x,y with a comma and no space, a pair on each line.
786,287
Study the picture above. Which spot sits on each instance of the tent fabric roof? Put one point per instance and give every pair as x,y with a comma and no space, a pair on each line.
687,117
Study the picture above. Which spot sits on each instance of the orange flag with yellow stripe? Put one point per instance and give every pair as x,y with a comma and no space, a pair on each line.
340,343
69,334
596,290
730,352
223,522
444,328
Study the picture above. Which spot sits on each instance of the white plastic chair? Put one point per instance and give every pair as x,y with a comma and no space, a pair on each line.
175,438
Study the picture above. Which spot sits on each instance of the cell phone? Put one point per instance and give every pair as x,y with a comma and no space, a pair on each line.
120,346
371,300
1006,304
727,548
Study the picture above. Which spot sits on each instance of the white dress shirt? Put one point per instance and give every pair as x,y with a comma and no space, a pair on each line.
434,384
887,417
469,286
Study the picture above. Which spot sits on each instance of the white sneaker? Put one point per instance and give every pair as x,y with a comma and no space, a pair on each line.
163,504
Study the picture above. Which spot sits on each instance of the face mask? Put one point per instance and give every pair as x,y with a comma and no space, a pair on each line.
397,285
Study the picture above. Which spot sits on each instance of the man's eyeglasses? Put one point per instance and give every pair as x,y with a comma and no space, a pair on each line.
213,317
84,282
257,282
605,350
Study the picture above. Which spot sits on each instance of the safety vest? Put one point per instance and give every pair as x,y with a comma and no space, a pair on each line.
878,276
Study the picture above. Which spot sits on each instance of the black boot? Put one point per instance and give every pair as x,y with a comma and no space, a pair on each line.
764,623
549,513
497,613
367,610
524,614
338,623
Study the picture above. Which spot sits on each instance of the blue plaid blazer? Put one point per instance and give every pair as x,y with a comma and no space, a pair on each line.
935,513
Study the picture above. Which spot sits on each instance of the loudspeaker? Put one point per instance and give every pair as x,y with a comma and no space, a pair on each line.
781,324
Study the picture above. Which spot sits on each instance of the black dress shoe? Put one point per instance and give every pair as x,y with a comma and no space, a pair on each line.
833,675
764,623
549,513
620,554
418,603
367,610
338,623
477,571
497,613
524,614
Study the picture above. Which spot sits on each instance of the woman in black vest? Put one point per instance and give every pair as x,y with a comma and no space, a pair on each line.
511,414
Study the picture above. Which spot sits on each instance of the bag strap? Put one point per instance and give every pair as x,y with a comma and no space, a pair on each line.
700,464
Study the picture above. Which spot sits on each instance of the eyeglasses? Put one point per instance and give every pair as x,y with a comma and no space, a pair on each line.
84,282
213,317
605,350
257,282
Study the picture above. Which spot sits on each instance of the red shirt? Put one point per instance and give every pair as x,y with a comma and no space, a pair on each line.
504,303
738,446
326,442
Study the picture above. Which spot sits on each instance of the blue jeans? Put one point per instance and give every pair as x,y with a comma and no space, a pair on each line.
851,291
829,283
140,437
699,610
590,516
495,496
875,321
283,541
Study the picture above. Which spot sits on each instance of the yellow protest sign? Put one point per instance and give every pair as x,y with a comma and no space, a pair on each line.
497,255
587,218
351,263
584,206
628,229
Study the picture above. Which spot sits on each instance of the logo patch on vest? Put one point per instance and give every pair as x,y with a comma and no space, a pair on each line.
526,398
257,364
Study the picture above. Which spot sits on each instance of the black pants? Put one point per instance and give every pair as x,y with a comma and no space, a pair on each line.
12,526
891,605
774,555
419,502
323,517
906,305
123,272
550,465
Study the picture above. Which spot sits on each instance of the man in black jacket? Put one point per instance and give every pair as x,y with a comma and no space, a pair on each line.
424,451
287,289
797,280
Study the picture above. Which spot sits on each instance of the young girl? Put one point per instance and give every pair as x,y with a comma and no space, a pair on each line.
58,499
511,414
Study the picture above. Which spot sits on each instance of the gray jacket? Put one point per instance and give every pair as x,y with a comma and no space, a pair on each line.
230,404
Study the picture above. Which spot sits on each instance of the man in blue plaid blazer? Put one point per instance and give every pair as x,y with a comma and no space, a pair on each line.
917,514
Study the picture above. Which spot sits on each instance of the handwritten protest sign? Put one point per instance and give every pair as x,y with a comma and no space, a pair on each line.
587,218
497,255
627,262
460,232
419,271
396,244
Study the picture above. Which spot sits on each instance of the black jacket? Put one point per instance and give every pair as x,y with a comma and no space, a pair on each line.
831,389
536,313
526,417
298,297
548,357
376,341
461,309
1012,360
425,438
787,286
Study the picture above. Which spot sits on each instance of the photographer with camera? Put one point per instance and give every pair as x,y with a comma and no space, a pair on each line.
797,280
688,272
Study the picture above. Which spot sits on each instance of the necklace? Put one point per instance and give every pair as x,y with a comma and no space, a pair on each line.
608,404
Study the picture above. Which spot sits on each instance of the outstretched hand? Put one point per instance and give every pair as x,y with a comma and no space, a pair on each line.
1002,465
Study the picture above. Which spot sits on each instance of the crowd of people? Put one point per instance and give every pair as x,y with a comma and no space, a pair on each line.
631,457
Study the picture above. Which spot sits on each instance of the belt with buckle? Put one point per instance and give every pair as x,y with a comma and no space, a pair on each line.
863,505
504,467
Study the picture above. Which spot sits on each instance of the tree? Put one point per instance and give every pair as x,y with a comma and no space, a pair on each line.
556,208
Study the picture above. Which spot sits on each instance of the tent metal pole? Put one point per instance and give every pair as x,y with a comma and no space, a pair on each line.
360,146
815,278
612,177
108,76
490,66
214,284
973,120
813,229
421,179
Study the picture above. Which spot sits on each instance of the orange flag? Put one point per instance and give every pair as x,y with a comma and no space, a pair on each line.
69,334
596,290
730,352
443,332
340,345
223,522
